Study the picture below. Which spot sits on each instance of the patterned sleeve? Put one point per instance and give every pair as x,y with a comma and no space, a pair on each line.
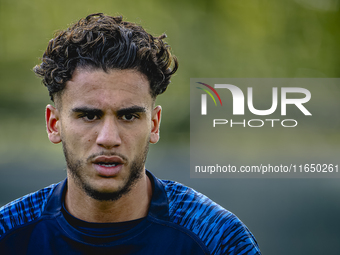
220,230
23,210
238,240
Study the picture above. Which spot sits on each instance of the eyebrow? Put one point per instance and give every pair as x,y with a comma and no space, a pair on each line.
120,112
87,110
129,110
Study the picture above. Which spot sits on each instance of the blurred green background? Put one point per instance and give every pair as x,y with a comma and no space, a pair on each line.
216,38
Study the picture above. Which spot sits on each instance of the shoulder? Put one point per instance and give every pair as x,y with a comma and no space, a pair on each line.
24,210
219,229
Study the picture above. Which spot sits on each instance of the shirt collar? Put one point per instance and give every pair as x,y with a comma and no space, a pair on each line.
159,206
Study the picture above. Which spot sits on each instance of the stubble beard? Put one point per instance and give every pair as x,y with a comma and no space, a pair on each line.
75,168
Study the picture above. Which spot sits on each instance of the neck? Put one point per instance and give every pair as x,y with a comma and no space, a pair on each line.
131,206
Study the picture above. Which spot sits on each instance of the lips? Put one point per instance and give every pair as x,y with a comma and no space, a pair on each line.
108,166
107,160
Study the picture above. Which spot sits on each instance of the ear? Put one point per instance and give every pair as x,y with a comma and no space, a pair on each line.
53,124
155,124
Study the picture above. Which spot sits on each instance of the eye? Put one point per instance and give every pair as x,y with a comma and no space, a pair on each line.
88,116
129,117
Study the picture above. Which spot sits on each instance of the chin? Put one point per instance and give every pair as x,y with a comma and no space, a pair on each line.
105,194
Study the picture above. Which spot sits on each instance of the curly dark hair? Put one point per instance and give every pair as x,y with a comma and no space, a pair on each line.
106,42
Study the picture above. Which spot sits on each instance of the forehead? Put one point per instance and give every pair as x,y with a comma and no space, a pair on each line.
114,88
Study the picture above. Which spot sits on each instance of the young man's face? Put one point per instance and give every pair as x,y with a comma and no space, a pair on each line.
105,122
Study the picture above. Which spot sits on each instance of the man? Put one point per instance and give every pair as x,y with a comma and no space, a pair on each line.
103,75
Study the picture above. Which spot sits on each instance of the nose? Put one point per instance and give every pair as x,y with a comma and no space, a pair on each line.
108,136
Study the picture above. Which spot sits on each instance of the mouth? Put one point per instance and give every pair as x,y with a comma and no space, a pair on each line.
108,166
108,160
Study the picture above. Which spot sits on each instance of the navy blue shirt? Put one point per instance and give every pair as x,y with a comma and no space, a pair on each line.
179,221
